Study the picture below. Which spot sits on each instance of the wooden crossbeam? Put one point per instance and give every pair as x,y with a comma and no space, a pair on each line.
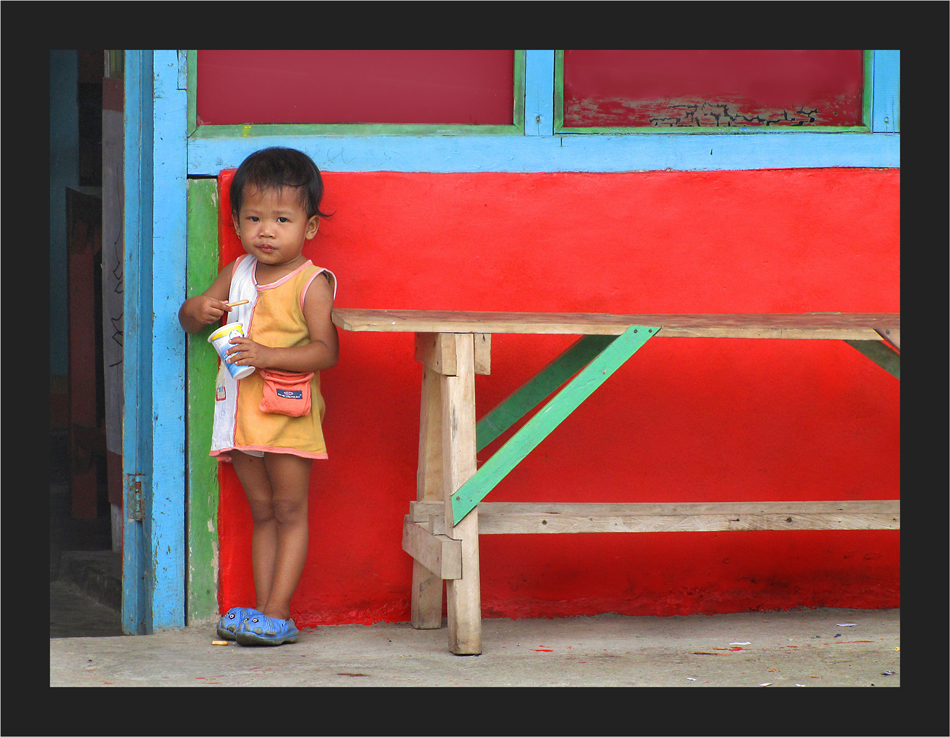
499,518
466,497
437,352
438,553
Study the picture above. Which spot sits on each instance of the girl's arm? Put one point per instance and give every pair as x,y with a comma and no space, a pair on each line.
321,353
208,307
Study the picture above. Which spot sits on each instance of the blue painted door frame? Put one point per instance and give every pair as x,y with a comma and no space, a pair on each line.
155,171
158,158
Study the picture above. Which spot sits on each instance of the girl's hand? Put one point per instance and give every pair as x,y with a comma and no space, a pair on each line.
204,310
210,310
248,353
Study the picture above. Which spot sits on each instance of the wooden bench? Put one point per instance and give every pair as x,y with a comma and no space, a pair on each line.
442,528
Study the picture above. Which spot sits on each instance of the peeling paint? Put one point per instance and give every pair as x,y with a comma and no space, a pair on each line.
700,113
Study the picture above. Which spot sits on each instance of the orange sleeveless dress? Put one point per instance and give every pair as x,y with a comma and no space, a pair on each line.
273,317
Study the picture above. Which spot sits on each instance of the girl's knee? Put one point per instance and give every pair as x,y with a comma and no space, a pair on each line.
282,511
262,510
289,511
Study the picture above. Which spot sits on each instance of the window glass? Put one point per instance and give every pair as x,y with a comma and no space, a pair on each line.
398,87
701,89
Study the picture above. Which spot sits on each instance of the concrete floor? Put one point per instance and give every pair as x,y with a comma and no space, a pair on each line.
792,649
809,648
806,648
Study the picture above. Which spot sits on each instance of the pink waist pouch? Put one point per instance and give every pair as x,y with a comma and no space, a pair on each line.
286,392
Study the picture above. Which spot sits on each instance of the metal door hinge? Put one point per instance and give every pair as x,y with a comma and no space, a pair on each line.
135,498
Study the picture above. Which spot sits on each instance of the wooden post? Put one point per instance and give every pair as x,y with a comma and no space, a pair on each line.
426,599
463,596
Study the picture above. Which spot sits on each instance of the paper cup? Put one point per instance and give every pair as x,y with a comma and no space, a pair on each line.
220,339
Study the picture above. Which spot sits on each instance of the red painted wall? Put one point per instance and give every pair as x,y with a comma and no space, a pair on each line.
684,420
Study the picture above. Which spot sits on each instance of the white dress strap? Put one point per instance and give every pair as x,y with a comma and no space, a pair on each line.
243,287
225,404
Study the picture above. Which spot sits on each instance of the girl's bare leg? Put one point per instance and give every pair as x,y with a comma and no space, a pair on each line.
257,487
290,481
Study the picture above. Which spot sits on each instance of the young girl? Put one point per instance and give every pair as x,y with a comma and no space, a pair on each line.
269,422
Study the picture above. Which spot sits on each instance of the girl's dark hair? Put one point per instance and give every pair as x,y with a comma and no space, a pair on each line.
277,168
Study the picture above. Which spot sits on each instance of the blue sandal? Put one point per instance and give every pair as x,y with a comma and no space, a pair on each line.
232,620
259,629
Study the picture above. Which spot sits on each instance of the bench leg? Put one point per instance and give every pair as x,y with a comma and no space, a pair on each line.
426,603
463,596
426,598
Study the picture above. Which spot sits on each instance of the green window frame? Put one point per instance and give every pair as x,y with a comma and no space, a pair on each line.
560,128
354,129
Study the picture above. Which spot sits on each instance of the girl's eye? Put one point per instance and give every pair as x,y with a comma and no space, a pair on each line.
282,219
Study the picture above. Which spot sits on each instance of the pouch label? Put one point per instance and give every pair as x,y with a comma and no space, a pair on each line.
290,393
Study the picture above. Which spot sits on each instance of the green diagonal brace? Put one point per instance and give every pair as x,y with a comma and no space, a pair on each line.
879,352
550,416
529,396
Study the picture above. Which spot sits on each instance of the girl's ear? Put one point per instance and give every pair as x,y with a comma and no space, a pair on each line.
313,224
235,223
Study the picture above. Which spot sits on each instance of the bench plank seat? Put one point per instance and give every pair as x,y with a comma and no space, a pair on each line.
821,325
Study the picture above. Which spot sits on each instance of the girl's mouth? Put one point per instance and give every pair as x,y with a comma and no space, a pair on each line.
267,249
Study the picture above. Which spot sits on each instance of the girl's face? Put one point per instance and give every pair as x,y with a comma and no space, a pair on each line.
273,226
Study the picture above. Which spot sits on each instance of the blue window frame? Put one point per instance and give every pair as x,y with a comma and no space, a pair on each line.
540,148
